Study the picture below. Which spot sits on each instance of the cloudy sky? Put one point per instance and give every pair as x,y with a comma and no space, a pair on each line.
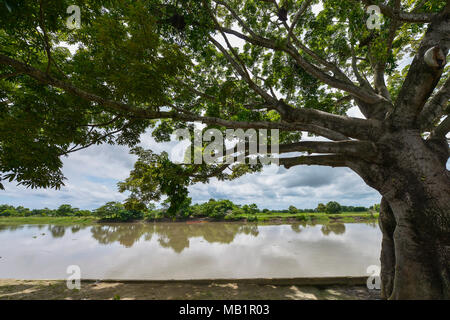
92,175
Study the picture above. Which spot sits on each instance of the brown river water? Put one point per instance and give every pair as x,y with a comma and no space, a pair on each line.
189,251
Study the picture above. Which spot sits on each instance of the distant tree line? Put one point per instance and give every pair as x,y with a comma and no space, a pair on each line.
216,209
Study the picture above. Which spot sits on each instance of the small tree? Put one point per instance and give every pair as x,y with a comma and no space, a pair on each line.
321,207
253,208
65,210
333,207
293,210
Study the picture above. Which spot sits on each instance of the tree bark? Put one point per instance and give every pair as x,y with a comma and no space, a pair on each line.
415,220
422,256
387,225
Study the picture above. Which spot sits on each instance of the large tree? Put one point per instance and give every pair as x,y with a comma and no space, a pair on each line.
260,64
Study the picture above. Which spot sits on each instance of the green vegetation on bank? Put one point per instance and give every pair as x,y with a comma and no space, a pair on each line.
221,210
47,220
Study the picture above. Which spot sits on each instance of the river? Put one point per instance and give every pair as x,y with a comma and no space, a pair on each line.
189,251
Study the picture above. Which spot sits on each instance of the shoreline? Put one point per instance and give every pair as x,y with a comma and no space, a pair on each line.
329,288
300,218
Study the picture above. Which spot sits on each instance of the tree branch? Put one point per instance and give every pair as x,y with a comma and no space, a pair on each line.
402,16
325,160
434,108
50,80
351,127
422,78
442,129
310,120
361,93
305,5
239,69
356,148
9,75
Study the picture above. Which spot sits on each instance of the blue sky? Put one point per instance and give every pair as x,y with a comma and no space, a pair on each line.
92,175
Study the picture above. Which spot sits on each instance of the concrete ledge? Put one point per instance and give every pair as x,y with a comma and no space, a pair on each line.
320,281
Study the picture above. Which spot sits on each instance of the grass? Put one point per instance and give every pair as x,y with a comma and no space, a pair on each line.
47,220
259,217
316,216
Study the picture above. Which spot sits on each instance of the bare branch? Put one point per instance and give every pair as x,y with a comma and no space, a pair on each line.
325,160
357,148
348,126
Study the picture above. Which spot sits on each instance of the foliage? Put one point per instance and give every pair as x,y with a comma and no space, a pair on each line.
155,175
293,210
333,207
321,207
117,211
216,209
250,209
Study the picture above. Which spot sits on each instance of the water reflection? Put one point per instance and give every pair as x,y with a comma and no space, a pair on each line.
336,228
189,251
175,236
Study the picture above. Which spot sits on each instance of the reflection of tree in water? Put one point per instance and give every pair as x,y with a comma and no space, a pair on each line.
175,236
296,227
10,228
75,229
373,224
249,229
336,228
126,234
57,231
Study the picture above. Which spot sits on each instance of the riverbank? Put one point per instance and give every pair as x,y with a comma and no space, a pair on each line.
255,289
345,217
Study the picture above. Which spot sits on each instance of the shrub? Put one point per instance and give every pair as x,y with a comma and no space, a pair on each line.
231,217
10,213
155,214
303,217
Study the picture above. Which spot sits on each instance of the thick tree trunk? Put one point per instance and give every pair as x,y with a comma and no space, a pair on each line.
414,217
417,192
422,258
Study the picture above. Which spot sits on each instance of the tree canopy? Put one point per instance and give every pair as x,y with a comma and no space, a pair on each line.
164,65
